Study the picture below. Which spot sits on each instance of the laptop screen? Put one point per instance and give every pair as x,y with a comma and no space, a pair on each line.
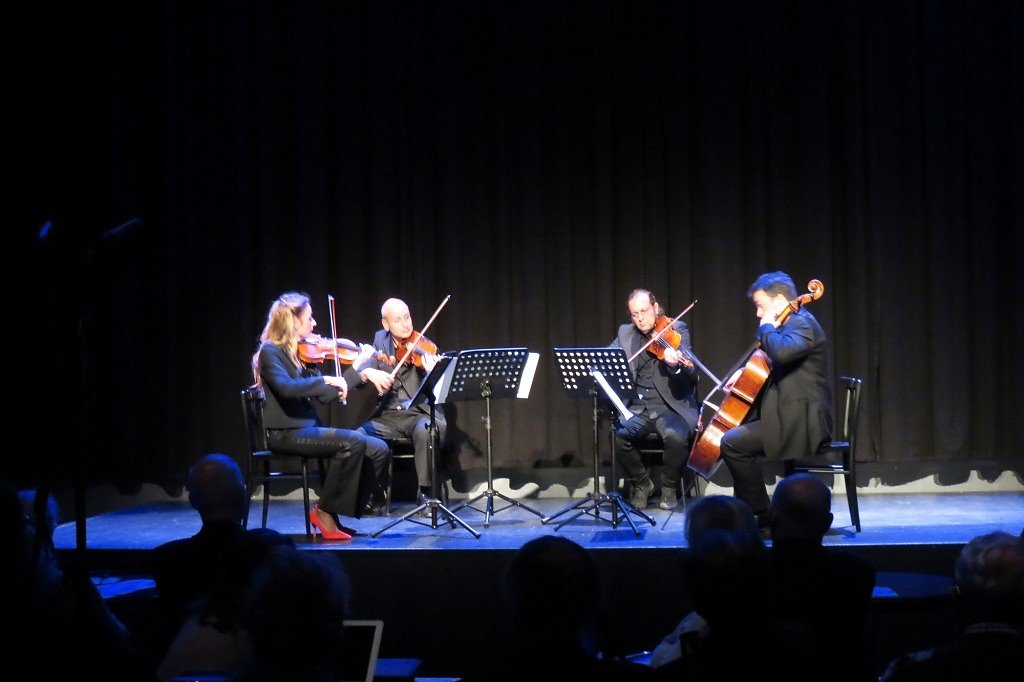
362,645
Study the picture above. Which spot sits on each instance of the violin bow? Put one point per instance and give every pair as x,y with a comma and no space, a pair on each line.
657,336
423,333
334,340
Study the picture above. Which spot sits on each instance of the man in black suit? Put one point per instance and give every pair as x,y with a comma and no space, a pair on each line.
187,569
792,416
820,596
393,417
667,402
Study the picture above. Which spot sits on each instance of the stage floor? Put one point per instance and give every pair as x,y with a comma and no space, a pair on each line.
438,590
886,520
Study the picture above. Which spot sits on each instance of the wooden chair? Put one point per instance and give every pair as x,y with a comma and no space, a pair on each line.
401,448
264,466
844,448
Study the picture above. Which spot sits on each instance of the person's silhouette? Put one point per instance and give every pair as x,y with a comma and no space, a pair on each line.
187,569
554,593
819,594
295,609
989,593
711,513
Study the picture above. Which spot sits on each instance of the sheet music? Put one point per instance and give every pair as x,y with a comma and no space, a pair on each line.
611,395
529,369
443,384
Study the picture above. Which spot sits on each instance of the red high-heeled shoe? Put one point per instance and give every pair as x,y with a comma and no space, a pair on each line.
327,534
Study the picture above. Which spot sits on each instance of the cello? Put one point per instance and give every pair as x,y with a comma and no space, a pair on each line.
705,455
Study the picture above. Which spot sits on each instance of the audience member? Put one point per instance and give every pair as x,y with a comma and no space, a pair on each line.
555,596
63,628
817,593
989,592
212,637
188,569
294,613
724,572
711,513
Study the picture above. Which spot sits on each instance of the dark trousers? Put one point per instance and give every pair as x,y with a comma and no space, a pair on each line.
742,449
675,434
410,424
358,463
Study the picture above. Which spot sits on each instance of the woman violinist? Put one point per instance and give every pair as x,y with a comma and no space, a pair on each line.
358,462
666,383
410,357
793,416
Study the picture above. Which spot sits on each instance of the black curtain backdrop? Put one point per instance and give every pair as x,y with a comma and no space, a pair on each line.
189,161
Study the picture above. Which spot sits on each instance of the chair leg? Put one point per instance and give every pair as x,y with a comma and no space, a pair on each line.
391,482
851,498
266,492
305,495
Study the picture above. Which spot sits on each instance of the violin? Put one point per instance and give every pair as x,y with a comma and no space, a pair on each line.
415,347
665,336
315,349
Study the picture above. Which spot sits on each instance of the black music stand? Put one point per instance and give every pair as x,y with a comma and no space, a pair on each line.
599,374
429,391
493,373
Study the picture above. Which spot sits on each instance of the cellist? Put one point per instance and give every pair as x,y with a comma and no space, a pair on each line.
793,416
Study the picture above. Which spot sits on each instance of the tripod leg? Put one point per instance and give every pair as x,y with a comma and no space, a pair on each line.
403,517
625,514
453,519
575,505
518,504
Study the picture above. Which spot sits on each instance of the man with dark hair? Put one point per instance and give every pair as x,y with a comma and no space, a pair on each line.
792,416
666,402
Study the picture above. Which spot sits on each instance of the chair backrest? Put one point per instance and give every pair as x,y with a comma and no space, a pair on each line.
852,386
252,413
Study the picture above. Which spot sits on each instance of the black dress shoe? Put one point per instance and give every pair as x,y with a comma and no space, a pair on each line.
374,506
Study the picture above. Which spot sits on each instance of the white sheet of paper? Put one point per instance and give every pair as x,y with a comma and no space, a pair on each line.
529,369
612,395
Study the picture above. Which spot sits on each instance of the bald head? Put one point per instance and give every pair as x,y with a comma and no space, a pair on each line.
393,306
216,488
395,317
801,508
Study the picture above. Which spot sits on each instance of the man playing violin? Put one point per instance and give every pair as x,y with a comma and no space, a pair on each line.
667,402
392,417
793,417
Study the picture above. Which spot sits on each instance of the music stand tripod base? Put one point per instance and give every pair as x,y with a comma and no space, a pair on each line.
577,367
438,512
492,373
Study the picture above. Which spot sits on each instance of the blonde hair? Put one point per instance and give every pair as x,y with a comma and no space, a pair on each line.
281,327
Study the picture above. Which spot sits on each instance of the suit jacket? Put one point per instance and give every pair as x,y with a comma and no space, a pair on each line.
185,570
290,390
826,592
795,405
678,389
